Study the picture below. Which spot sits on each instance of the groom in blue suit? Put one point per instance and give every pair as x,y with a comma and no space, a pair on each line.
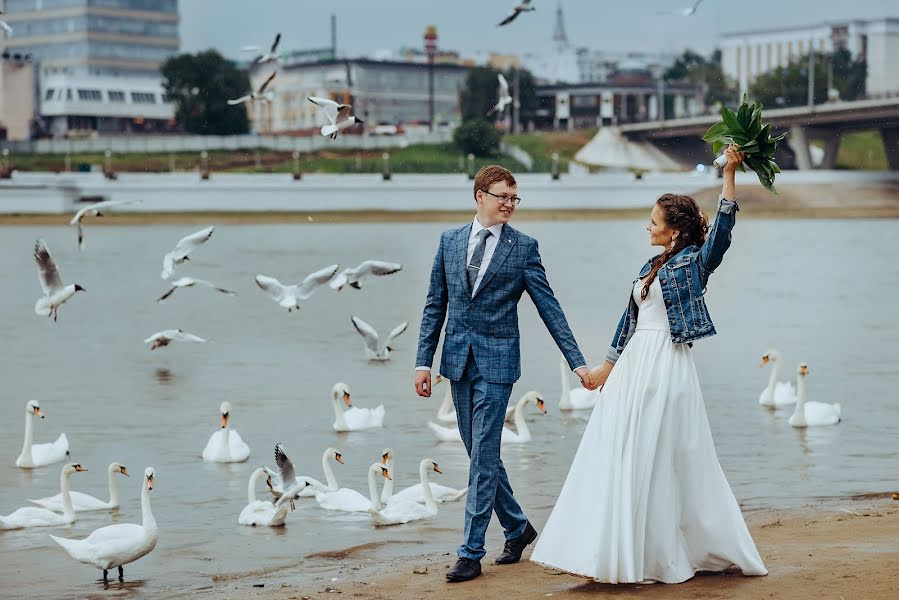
478,277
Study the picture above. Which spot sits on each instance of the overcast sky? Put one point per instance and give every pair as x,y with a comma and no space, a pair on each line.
365,26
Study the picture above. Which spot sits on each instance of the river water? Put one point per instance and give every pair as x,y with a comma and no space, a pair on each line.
821,291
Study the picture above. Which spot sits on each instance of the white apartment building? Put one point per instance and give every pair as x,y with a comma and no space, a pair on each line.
747,54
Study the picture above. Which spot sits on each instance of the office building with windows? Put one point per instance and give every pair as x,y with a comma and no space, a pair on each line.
97,62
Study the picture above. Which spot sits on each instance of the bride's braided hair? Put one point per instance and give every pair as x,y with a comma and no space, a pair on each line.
681,214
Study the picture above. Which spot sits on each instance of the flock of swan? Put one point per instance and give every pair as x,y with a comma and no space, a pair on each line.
780,394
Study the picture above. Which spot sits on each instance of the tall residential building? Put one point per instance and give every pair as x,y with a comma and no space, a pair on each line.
746,55
97,62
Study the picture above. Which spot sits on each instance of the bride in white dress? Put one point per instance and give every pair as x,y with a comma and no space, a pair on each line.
646,499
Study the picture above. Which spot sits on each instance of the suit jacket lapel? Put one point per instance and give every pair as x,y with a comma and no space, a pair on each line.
461,256
503,247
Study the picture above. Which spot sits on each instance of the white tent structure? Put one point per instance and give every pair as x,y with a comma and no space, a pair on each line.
610,149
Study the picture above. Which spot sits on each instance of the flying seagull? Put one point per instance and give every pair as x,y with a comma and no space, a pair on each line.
338,116
684,12
525,6
185,282
375,348
185,246
270,56
55,293
94,209
288,296
355,277
503,97
5,26
165,337
259,94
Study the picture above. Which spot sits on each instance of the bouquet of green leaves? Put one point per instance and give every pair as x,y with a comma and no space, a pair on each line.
745,129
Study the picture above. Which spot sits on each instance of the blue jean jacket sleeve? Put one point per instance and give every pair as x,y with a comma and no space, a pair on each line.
613,354
549,309
718,240
434,312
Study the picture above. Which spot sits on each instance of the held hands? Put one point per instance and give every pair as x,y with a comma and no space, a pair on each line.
584,376
423,383
598,375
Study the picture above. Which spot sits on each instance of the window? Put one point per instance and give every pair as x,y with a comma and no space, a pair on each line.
90,95
116,95
49,95
143,98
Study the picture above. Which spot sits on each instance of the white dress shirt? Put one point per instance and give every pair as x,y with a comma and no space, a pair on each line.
492,240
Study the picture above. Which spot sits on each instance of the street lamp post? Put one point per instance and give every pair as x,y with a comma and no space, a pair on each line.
430,38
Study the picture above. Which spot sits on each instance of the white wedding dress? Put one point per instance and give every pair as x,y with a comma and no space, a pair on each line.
645,499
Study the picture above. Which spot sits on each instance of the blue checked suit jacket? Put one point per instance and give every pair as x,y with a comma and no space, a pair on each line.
487,323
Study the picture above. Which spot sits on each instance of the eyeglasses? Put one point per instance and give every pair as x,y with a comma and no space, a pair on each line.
503,199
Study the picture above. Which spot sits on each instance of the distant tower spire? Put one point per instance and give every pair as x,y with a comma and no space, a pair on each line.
559,35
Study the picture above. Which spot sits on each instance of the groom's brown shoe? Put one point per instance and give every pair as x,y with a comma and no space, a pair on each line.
513,549
465,569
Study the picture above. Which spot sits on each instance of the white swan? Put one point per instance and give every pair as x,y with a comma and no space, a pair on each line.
812,414
226,445
261,512
85,502
414,493
341,499
520,436
39,455
32,516
776,393
447,411
117,545
400,511
574,399
313,486
353,419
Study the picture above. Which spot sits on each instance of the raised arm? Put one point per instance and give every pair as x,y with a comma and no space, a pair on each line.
718,240
432,318
551,312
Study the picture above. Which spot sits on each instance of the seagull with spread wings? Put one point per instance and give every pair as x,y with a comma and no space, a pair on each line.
355,276
186,282
94,209
503,97
55,293
270,56
375,348
525,6
289,296
338,116
163,338
684,12
185,246
259,94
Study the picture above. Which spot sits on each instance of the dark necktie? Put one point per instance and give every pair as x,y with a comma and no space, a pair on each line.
475,264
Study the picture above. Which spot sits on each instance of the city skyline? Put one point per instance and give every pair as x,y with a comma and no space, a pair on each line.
204,24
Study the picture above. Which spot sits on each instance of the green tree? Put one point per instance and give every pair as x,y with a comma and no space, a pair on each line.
200,85
694,68
477,137
788,86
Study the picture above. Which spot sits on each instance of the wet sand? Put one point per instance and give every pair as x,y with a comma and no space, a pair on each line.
831,201
847,550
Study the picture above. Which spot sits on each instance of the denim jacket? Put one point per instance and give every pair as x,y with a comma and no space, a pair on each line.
683,279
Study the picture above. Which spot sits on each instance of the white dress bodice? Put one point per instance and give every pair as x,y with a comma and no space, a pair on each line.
652,313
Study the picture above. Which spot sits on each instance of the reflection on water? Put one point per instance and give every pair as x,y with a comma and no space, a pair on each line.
116,400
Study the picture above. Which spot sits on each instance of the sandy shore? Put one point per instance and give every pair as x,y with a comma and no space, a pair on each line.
845,551
831,201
